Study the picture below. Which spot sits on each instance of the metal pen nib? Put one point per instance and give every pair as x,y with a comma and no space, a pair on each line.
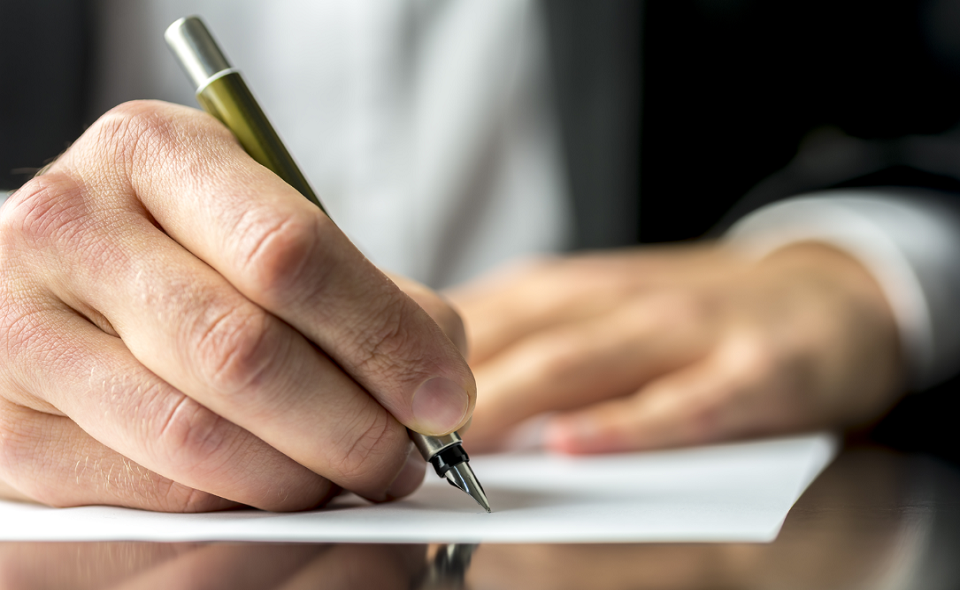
450,461
461,476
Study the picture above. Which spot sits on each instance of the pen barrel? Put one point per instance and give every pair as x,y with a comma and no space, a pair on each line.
228,98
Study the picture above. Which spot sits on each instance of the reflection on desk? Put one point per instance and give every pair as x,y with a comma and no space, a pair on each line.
874,519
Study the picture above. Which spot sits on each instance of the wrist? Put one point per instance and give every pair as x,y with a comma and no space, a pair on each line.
843,321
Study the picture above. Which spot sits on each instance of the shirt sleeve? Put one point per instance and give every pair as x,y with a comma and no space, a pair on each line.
909,239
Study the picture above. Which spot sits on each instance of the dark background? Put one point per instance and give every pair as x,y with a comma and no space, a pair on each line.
732,88
44,62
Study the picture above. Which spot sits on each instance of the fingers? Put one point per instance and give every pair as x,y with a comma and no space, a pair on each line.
49,459
283,254
8,492
579,364
799,341
88,232
196,332
677,411
536,295
738,391
529,297
92,378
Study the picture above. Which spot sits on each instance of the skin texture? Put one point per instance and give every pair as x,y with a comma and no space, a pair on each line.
182,331
664,347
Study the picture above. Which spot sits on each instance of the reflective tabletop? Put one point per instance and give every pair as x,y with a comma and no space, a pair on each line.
873,519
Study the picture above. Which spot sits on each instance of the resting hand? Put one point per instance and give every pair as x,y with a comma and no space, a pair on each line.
180,330
640,349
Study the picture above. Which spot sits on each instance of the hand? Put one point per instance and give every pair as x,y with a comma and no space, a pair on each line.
180,330
649,348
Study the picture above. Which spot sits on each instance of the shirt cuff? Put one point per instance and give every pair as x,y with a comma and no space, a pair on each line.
909,239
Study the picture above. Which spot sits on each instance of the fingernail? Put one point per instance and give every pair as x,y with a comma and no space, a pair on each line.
410,476
439,405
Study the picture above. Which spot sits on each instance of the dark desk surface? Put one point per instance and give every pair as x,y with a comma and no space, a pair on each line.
874,519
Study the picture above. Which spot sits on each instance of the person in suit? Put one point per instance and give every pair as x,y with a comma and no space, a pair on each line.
817,134
164,339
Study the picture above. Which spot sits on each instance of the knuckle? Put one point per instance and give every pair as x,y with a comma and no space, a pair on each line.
22,332
29,448
682,308
43,210
21,457
178,498
375,440
195,439
148,135
385,339
277,250
236,348
130,131
12,447
751,359
135,119
553,360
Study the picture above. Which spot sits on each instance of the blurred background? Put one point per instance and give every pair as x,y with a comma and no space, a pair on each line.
447,138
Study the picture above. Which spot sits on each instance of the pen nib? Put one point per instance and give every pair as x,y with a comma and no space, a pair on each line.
462,477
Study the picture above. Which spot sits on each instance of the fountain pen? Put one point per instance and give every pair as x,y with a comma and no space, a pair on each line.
223,93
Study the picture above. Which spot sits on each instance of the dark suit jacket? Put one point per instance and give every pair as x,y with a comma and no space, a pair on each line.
740,103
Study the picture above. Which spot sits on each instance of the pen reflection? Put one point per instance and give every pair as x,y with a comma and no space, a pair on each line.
873,519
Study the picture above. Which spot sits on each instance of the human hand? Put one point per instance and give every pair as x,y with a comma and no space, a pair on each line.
182,331
648,348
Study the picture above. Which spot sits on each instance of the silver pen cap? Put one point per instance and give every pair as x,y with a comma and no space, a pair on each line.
196,50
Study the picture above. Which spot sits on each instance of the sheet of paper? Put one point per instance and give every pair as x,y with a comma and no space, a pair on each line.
733,492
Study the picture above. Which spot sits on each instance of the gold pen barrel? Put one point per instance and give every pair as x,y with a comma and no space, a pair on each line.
228,99
222,92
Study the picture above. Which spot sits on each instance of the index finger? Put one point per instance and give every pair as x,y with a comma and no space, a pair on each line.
285,255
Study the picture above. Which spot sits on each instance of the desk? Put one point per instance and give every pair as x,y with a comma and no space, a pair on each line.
874,519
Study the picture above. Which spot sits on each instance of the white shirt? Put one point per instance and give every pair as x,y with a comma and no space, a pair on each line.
424,127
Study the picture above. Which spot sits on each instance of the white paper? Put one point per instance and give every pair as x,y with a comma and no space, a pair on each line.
733,492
